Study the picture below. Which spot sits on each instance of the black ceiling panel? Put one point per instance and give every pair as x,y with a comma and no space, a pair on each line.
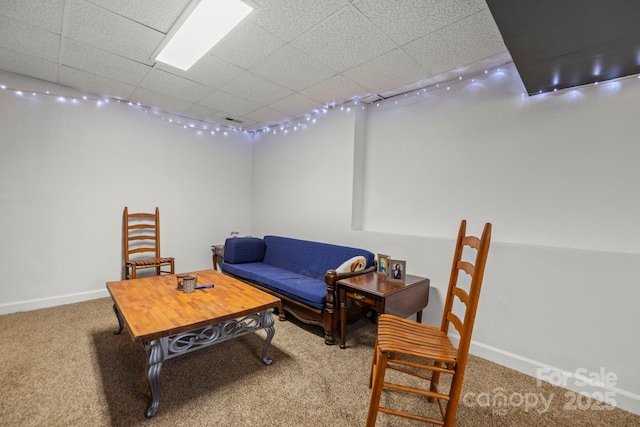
556,44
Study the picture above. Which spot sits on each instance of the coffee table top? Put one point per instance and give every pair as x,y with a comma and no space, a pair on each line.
153,308
377,284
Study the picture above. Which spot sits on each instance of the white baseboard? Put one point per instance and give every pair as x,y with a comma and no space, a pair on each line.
35,304
597,385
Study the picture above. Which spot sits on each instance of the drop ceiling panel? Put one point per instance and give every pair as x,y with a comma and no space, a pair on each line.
43,14
238,122
387,71
408,20
95,84
231,104
29,40
335,90
95,61
19,63
210,71
296,105
175,86
288,19
160,101
246,45
108,31
199,112
250,86
291,68
464,42
165,12
345,40
267,115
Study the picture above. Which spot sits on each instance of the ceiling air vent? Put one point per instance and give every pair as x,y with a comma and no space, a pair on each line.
231,119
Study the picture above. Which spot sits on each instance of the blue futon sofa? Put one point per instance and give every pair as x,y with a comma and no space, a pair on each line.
301,273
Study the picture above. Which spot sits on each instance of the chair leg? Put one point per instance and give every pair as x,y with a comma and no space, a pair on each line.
376,391
374,362
435,379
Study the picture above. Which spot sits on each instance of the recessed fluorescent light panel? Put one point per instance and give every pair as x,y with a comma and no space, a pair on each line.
205,26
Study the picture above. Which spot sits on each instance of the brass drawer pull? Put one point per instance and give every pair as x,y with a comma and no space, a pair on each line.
359,297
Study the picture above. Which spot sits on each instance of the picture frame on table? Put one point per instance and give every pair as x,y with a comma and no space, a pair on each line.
383,264
396,270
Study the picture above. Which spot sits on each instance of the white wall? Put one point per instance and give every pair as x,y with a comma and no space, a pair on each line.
67,170
553,173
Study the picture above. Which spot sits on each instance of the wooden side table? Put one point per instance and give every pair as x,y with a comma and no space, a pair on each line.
382,295
216,251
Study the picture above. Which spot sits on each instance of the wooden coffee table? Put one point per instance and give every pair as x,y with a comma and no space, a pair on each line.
382,295
171,323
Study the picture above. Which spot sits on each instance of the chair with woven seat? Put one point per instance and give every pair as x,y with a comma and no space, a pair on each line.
427,352
141,244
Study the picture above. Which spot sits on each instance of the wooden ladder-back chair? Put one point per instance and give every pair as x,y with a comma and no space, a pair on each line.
425,351
141,240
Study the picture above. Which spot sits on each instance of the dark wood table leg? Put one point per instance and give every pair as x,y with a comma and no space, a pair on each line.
342,292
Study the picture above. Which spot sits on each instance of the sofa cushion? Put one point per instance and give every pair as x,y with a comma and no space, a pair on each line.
243,249
308,258
309,291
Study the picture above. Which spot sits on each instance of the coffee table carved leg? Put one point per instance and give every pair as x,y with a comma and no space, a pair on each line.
120,321
271,330
156,357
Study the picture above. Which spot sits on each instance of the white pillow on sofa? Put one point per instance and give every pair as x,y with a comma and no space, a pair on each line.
356,263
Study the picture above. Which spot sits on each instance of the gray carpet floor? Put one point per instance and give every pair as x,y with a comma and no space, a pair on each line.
63,366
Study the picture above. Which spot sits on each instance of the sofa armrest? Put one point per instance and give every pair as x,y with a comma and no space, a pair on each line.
331,276
244,249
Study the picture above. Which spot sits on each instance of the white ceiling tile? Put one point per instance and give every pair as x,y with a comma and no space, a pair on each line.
165,12
44,14
236,122
288,19
387,71
335,90
235,106
418,84
96,61
291,68
159,101
464,42
29,40
222,118
250,86
246,45
18,63
200,112
296,105
109,31
210,71
268,116
407,20
175,86
95,84
344,40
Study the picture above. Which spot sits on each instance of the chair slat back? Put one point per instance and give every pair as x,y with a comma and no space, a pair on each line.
141,234
467,300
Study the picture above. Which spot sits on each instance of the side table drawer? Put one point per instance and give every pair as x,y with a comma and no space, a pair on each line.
361,297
